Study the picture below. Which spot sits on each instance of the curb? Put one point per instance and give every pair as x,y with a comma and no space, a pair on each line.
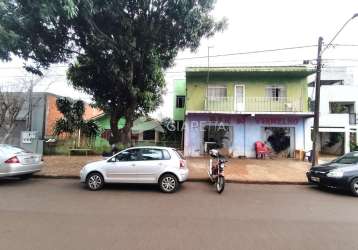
255,182
73,177
55,177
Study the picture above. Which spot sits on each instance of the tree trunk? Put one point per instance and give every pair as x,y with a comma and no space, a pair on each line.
7,134
116,135
126,132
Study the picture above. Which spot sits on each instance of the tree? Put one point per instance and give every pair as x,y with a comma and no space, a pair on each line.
121,47
72,121
11,102
172,131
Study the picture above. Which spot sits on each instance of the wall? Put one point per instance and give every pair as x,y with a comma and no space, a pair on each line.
336,93
53,114
254,87
246,131
179,89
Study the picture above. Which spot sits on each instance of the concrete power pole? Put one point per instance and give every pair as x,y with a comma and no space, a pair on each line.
29,115
317,103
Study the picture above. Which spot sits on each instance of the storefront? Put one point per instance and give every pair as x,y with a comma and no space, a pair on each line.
237,133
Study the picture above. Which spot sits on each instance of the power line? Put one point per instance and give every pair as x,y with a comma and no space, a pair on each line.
344,45
341,59
248,52
224,55
210,56
26,76
220,55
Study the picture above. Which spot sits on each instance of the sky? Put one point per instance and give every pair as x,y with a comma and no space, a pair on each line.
252,26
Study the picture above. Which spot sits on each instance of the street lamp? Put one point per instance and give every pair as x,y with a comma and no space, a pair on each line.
318,88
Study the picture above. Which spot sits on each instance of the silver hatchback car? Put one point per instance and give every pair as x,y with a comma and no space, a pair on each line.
15,161
161,165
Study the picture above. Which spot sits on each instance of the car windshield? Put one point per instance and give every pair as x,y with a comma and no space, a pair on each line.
351,158
7,149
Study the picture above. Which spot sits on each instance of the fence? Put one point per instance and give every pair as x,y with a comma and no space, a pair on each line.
254,104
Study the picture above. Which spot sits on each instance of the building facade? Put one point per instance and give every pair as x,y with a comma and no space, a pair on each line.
235,107
44,114
145,131
338,110
179,101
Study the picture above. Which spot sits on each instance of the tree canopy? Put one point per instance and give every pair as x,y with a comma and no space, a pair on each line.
120,47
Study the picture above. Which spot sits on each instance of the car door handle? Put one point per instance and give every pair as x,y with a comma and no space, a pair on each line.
133,165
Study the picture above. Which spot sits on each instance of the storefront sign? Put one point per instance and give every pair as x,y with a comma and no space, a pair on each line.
277,120
258,120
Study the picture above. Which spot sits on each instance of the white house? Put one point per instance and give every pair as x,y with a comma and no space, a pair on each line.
338,109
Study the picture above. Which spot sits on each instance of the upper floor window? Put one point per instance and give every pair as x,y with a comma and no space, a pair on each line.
217,92
276,92
342,107
180,101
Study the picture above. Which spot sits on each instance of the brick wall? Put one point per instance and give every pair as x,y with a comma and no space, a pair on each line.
91,112
52,114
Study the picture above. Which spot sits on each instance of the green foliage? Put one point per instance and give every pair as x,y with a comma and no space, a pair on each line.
172,131
72,120
121,47
334,138
353,142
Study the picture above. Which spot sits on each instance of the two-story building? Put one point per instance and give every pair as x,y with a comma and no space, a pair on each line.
237,106
338,110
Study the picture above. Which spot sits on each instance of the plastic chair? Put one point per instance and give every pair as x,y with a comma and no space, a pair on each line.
261,150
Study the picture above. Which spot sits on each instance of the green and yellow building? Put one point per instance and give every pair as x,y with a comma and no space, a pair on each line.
237,106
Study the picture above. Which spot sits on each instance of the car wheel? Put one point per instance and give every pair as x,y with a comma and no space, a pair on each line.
168,183
95,181
354,187
25,176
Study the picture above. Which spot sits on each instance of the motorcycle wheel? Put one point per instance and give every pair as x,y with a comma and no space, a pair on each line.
220,184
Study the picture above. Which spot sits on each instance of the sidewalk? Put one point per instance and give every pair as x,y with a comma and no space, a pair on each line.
255,171
237,170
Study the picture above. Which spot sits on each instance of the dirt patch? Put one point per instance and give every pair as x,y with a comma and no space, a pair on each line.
244,170
65,165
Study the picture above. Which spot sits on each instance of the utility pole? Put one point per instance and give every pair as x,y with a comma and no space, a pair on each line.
207,77
316,106
29,115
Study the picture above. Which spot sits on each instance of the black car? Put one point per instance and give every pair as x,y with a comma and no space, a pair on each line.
341,173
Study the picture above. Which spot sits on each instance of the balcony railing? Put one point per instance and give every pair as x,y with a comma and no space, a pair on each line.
254,104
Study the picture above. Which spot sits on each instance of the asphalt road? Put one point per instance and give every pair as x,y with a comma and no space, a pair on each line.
60,214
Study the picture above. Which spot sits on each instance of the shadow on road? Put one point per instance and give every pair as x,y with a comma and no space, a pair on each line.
330,191
15,181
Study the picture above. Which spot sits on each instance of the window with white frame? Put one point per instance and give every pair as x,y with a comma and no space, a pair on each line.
276,92
216,92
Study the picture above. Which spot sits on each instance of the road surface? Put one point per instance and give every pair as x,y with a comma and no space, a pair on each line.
60,214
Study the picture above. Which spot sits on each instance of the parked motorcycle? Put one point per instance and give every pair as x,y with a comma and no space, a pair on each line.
216,170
